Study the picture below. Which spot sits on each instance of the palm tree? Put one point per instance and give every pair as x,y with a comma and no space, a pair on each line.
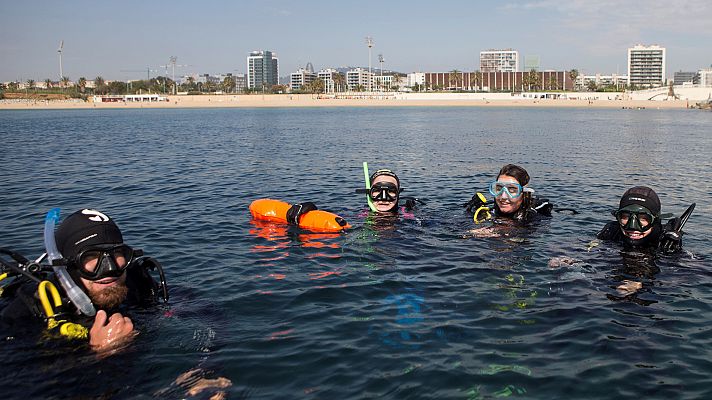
553,84
573,74
65,82
476,79
228,84
339,82
191,83
99,84
82,84
454,79
48,83
30,84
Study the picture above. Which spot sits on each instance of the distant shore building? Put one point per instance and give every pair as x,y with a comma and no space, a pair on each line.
499,81
646,66
506,60
262,70
416,78
333,80
301,78
681,77
359,78
619,81
705,77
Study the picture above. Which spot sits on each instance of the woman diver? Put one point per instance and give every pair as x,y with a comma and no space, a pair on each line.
512,198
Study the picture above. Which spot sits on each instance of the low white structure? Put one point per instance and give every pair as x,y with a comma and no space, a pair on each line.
132,98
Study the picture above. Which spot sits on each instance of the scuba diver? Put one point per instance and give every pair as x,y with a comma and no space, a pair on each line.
639,223
383,193
512,198
90,268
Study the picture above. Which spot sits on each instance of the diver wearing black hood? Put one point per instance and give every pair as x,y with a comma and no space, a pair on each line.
112,275
639,223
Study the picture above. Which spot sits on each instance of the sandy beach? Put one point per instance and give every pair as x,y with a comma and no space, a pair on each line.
360,100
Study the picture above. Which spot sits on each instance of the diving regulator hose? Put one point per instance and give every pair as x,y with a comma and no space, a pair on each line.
76,295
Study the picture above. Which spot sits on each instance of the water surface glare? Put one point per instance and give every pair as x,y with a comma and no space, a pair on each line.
416,309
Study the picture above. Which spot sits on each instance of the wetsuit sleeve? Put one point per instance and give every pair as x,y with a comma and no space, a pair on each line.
24,307
609,232
543,207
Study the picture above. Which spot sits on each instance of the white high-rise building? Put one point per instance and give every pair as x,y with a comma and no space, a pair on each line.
646,66
506,60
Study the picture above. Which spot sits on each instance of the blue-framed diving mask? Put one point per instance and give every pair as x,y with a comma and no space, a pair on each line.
512,189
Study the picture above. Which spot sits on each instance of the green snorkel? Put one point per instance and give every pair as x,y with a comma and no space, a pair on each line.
367,178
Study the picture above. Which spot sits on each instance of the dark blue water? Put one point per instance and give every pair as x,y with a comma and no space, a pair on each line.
415,309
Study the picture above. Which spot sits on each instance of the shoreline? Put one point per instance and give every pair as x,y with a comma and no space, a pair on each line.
307,100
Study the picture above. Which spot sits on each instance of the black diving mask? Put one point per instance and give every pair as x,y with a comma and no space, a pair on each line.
635,218
99,262
384,191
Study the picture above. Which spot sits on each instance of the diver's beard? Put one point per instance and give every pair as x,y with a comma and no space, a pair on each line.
109,297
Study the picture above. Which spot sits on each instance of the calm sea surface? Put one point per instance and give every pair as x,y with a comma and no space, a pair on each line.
413,309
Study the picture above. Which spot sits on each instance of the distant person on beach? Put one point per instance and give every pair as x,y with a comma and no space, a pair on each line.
639,223
512,198
112,275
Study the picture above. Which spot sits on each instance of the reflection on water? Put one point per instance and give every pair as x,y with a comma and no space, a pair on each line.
416,306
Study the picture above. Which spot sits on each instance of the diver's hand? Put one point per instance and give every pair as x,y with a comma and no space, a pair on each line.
671,242
108,334
474,203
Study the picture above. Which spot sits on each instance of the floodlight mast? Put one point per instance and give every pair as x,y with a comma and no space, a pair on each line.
59,50
369,43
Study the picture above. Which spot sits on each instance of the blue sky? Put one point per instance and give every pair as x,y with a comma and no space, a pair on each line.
102,38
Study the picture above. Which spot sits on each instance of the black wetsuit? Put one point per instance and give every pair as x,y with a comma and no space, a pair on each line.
531,210
25,309
612,231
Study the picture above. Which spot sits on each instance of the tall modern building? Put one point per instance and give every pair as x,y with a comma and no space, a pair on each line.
646,66
499,60
262,69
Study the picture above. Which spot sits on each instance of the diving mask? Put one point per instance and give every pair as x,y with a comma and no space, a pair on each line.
635,218
512,189
384,191
99,262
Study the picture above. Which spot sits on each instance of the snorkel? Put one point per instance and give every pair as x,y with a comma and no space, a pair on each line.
367,178
76,295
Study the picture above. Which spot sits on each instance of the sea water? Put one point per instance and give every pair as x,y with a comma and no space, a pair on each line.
416,308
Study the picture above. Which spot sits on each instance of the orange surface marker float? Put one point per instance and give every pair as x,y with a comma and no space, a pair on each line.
304,215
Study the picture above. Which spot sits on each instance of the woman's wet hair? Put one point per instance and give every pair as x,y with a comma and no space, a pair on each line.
515,171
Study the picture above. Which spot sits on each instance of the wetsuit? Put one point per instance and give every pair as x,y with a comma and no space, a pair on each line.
662,237
531,209
25,308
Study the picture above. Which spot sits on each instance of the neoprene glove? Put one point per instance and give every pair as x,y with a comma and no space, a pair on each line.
671,242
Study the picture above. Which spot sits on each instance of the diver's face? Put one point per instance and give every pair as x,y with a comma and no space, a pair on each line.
505,203
385,206
106,293
635,235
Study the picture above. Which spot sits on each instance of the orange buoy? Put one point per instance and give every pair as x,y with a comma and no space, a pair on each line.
314,220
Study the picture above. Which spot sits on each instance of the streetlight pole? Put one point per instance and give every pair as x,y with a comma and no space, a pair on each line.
369,43
380,61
